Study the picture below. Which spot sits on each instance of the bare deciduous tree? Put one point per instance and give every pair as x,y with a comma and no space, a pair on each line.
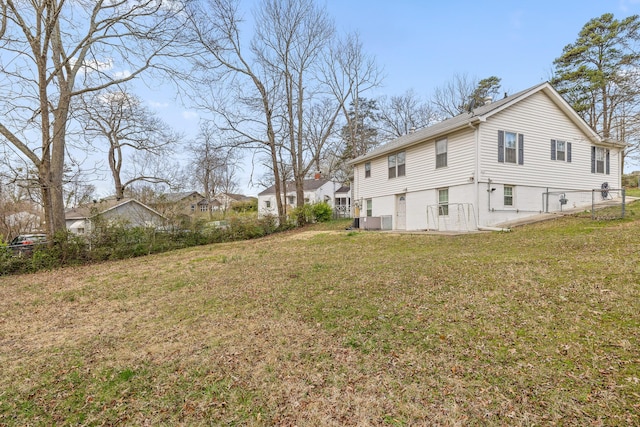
291,38
51,52
401,114
276,87
132,134
452,97
212,164
351,73
251,116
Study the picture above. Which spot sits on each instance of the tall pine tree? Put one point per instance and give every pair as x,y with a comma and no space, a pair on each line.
597,74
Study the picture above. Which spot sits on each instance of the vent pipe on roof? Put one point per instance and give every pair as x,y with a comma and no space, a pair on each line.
412,130
487,100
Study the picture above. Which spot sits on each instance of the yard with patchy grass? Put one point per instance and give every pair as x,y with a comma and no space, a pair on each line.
321,326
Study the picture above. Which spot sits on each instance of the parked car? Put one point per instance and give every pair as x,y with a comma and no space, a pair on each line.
24,244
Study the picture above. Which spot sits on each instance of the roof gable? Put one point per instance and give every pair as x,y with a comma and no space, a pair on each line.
105,205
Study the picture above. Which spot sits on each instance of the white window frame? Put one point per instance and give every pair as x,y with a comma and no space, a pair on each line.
401,158
396,164
443,202
601,157
561,153
369,207
510,150
441,152
508,196
367,170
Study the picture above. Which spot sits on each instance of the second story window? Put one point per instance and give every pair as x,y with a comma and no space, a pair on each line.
441,153
510,147
560,150
396,164
600,160
367,170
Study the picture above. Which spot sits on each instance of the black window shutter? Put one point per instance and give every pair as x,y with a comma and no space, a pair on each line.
569,152
501,146
607,165
553,149
520,149
593,159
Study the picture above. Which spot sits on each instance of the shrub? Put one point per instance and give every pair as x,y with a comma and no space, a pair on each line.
302,215
244,229
246,206
322,212
306,214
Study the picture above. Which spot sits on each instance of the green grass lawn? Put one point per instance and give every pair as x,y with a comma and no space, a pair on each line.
326,326
633,192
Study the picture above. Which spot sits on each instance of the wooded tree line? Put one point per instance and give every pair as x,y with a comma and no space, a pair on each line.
280,83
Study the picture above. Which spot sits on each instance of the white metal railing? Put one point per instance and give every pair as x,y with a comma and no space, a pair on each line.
451,217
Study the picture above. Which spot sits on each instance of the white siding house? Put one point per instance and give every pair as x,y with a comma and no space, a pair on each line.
522,155
315,190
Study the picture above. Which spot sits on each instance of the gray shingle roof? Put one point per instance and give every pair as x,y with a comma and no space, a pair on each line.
448,125
93,209
176,197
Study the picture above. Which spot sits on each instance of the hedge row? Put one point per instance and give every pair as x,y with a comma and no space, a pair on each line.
117,241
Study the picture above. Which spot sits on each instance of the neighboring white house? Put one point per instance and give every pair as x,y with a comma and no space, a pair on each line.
315,190
128,212
516,157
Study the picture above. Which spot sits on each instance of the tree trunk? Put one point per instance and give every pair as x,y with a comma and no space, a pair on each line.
56,172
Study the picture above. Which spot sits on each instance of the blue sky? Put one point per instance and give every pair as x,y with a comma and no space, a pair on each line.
422,44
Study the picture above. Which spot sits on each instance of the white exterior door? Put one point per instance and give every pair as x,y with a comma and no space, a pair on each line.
401,212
